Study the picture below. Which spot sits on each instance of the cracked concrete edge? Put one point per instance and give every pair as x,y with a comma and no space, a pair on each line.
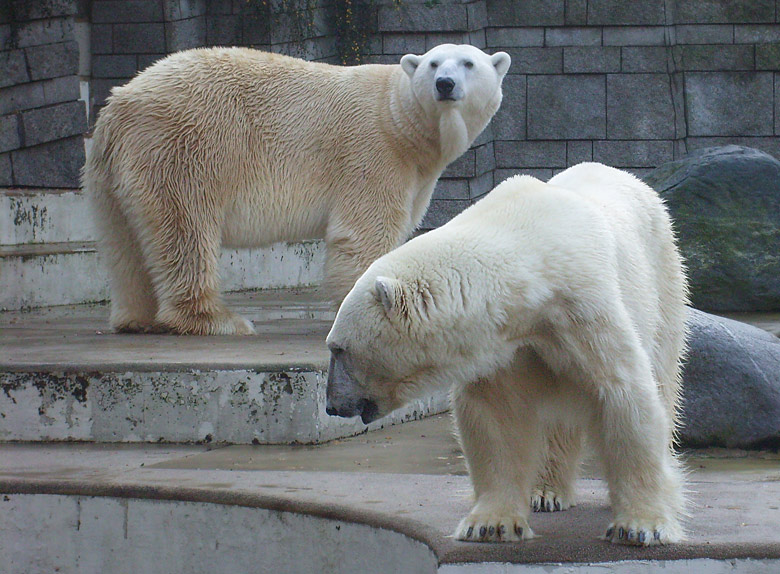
446,549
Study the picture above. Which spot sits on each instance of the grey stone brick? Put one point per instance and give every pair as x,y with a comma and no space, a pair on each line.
639,106
451,189
101,38
777,107
100,88
223,31
54,164
299,26
485,158
770,145
622,13
509,122
644,59
139,38
441,211
627,154
54,122
38,9
9,133
146,60
714,58
478,39
578,152
729,103
477,15
423,17
486,137
125,11
515,37
724,11
433,40
113,66
7,38
53,61
542,174
255,29
464,166
5,12
757,34
591,59
57,90
677,82
704,34
525,154
185,34
566,107
576,12
185,9
14,68
403,43
526,13
6,173
480,185
635,36
21,97
768,57
572,36
39,32
536,60
219,7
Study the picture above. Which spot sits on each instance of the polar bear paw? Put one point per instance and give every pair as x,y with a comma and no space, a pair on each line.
550,501
643,533
493,527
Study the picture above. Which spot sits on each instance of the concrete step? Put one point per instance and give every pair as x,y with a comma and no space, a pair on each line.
45,274
381,502
63,378
44,216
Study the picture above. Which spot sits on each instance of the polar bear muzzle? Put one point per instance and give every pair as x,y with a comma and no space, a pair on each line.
345,395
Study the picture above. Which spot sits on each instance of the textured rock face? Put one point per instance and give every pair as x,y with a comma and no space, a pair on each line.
731,384
726,205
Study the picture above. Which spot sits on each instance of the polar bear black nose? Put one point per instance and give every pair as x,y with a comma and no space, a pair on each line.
444,86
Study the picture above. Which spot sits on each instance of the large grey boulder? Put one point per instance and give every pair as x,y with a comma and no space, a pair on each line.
731,385
725,202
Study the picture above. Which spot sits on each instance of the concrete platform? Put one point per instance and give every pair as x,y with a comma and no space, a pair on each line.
386,501
63,377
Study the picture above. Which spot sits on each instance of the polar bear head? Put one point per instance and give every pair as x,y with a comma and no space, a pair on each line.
425,315
456,75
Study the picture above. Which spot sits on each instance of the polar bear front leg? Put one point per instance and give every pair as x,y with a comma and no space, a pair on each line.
633,432
501,445
554,490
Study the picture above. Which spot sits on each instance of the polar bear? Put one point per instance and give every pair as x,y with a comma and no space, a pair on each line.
557,313
238,147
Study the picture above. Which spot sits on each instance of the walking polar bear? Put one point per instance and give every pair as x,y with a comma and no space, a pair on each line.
556,311
233,146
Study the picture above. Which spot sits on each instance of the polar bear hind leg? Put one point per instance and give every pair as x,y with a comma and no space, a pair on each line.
554,489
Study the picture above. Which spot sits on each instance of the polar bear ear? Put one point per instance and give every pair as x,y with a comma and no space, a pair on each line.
409,64
388,292
501,62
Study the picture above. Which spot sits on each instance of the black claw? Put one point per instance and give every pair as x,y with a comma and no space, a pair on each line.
630,535
610,532
642,536
656,535
519,531
536,506
621,533
548,505
501,531
469,532
482,531
558,505
491,530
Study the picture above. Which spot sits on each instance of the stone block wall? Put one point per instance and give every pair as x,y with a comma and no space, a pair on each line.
632,84
42,119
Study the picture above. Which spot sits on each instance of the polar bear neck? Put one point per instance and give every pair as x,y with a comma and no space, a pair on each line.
434,140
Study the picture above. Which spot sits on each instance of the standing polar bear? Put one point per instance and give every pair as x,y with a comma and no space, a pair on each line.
233,146
557,311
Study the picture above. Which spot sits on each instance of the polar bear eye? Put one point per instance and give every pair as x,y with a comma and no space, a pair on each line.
434,65
469,64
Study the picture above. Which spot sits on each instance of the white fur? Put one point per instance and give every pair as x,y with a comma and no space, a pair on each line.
557,312
232,146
